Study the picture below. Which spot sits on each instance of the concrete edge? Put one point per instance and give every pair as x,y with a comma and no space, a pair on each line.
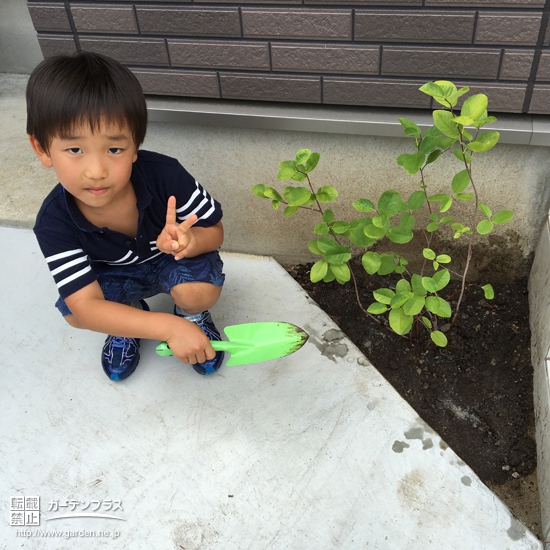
514,129
539,302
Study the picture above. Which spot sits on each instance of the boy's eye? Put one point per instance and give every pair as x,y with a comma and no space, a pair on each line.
75,150
115,150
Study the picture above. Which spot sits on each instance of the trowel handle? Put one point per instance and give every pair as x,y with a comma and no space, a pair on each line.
219,345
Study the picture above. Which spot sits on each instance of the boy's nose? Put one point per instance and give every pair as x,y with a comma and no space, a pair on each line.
95,169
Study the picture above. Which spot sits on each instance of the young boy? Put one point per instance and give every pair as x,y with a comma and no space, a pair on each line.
122,225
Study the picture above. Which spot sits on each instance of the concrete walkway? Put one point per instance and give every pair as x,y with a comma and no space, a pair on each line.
313,451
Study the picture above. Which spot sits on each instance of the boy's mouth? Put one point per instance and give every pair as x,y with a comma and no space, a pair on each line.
97,190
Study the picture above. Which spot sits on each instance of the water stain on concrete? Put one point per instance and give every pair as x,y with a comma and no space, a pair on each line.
330,346
466,480
417,432
516,531
398,446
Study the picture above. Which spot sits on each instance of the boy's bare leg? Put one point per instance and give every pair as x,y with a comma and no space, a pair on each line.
193,300
195,297
73,321
192,297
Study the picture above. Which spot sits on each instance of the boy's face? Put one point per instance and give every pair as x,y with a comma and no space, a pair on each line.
93,167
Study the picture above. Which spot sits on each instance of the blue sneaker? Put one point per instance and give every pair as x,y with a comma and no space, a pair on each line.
120,356
204,321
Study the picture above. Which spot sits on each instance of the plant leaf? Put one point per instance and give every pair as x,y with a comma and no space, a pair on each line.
387,265
427,322
325,244
363,205
464,120
399,299
417,287
438,338
296,196
502,217
318,271
411,162
438,306
259,190
376,308
383,295
338,254
287,170
411,128
314,247
328,216
406,222
483,121
416,200
484,227
428,144
357,233
312,162
371,262
460,181
485,209
374,232
441,279
400,235
433,156
402,286
302,156
341,271
340,228
400,322
389,203
428,253
488,292
444,122
415,305
290,210
475,107
327,194
321,229
429,284
484,142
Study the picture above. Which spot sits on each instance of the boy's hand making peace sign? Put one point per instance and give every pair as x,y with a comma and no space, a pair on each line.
177,238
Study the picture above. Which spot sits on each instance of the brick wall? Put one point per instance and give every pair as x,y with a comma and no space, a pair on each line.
337,52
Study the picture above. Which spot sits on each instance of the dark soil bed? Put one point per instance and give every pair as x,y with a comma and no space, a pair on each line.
477,393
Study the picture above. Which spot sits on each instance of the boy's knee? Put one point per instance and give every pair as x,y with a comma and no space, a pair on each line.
195,297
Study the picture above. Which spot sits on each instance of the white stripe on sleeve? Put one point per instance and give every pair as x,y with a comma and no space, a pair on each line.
69,264
191,200
64,255
73,276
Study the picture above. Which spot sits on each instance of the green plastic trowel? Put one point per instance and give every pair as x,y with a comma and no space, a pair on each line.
255,342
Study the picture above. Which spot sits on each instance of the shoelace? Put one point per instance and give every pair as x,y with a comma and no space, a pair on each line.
120,342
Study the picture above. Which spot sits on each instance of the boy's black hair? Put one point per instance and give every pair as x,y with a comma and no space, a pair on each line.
64,91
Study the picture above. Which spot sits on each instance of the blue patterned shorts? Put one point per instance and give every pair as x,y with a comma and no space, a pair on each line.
131,283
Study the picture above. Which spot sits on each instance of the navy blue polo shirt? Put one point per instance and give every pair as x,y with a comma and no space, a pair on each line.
72,245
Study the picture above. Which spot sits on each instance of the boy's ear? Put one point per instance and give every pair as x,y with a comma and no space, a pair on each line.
40,153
